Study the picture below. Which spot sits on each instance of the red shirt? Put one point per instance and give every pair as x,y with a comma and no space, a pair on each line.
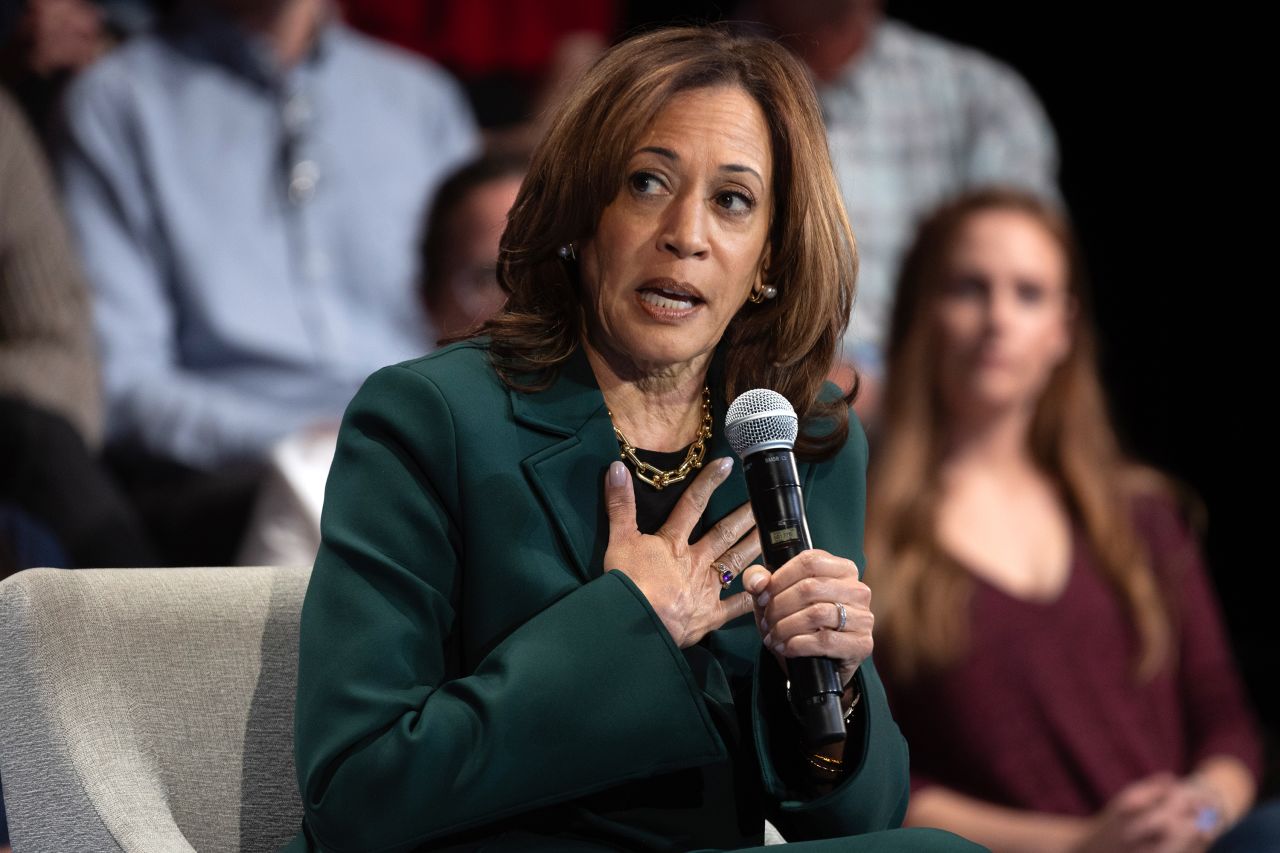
1043,714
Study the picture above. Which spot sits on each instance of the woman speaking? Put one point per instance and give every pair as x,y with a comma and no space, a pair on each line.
527,626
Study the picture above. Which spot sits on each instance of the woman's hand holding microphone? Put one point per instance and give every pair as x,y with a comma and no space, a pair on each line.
812,606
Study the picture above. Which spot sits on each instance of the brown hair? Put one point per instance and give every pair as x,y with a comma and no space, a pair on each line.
787,343
921,592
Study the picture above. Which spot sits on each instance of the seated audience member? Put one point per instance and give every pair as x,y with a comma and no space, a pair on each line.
1050,639
45,43
913,119
459,258
50,402
246,185
460,290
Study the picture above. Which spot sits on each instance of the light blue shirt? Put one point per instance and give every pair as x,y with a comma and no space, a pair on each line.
250,233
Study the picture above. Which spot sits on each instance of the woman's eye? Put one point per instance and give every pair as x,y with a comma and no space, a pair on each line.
646,183
734,202
1030,293
965,286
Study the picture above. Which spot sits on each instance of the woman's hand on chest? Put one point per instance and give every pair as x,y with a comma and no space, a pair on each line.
676,576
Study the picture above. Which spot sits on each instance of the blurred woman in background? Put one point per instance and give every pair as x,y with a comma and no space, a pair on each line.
1052,646
459,258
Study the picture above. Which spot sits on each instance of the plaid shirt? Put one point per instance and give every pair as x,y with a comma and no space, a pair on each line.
912,121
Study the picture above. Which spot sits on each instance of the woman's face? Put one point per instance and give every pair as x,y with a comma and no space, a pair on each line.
678,250
1003,311
469,290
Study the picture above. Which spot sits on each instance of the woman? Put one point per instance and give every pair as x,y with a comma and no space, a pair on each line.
459,283
1048,635
509,642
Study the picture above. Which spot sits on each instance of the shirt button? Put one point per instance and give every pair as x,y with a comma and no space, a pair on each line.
303,178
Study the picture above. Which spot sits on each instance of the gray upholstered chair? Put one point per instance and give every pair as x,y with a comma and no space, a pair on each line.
149,709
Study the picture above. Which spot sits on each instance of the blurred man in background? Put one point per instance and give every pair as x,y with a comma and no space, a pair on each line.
246,185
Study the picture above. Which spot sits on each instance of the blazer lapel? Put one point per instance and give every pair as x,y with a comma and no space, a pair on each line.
567,473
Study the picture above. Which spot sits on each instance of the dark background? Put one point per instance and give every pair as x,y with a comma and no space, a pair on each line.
1162,165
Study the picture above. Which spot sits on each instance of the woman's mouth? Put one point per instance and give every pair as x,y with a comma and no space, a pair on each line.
669,295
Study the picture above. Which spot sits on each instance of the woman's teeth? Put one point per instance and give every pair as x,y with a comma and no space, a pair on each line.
667,300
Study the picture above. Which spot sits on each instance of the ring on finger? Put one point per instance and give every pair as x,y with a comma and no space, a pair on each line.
844,615
724,573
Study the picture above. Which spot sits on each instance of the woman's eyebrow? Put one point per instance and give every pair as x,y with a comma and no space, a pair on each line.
738,167
661,152
675,158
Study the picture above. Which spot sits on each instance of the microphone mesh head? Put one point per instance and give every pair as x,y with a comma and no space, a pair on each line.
760,419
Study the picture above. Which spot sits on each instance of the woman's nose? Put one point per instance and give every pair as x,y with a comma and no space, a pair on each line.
684,225
1000,308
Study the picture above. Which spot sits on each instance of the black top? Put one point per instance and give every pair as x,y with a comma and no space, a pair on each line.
653,506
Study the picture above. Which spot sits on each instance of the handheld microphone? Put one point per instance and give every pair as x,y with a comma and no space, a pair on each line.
761,427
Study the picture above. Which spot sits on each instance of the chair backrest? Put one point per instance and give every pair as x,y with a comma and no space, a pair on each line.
150,709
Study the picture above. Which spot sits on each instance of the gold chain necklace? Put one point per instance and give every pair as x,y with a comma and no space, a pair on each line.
658,478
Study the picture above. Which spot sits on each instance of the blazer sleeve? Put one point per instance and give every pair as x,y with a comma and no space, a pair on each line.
873,795
393,746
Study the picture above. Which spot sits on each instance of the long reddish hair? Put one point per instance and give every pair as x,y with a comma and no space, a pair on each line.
921,592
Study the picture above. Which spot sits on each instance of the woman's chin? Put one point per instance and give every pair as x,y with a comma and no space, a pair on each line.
652,347
988,394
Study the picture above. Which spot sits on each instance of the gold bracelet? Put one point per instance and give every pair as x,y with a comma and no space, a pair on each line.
825,761
830,768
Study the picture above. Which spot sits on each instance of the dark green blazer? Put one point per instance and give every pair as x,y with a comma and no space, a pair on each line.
466,664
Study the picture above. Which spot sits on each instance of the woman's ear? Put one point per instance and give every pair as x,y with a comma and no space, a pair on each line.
765,256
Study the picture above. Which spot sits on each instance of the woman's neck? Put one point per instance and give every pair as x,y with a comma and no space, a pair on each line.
992,440
656,409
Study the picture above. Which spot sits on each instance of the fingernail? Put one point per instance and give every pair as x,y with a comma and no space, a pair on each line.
724,465
768,639
762,600
778,648
764,624
617,474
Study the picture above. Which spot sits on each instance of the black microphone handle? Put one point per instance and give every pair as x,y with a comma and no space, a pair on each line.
773,484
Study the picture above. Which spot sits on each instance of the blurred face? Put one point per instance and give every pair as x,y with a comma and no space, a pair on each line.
677,252
1002,313
469,291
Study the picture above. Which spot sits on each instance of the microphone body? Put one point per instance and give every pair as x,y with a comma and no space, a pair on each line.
773,484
